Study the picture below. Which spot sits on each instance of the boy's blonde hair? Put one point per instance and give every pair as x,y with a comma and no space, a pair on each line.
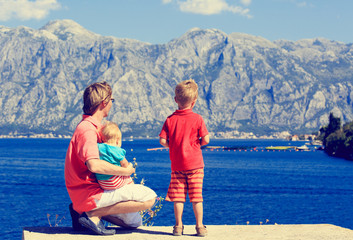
110,132
94,95
186,92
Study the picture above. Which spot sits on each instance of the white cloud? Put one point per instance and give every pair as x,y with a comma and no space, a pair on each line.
300,3
246,2
25,9
304,4
210,7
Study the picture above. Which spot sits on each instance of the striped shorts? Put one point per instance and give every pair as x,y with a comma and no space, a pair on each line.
183,182
115,182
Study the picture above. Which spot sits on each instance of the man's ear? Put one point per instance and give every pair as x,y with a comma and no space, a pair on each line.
103,104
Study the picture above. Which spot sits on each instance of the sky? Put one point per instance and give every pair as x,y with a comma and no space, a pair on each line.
159,21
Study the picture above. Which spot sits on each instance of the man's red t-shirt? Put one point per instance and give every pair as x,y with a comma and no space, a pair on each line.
81,183
183,129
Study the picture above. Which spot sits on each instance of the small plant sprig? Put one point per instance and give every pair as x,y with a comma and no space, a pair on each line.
267,221
261,222
149,214
57,221
134,165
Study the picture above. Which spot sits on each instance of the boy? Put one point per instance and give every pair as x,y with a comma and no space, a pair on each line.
184,132
110,150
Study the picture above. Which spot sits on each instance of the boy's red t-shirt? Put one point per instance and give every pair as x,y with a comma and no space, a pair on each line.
81,183
183,129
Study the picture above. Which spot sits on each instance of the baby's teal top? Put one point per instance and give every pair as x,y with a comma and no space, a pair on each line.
111,154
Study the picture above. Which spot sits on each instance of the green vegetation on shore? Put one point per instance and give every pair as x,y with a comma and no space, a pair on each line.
337,139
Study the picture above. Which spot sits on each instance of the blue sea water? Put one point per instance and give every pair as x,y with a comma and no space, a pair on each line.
285,187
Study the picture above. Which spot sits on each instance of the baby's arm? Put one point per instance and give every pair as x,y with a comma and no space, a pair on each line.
205,140
124,163
163,142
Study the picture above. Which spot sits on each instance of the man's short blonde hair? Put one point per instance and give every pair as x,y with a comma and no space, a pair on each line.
110,132
186,92
94,95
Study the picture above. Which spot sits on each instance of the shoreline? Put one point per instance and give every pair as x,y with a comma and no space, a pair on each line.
43,136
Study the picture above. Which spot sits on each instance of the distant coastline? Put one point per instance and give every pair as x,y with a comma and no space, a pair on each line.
39,135
219,135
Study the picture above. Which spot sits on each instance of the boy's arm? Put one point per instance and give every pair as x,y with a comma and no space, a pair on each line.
164,142
205,140
124,163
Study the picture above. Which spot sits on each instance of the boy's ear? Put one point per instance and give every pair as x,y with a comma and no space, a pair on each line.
193,103
175,100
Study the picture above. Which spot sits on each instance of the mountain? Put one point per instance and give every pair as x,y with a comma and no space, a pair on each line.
246,83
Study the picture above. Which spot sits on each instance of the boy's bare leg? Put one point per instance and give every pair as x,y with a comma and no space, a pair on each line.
198,211
178,212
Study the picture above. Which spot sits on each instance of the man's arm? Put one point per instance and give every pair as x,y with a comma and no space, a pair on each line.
164,142
103,167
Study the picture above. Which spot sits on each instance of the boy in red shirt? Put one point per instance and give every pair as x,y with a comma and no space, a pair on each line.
184,132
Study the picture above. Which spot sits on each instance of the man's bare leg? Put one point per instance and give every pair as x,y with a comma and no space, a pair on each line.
117,221
121,207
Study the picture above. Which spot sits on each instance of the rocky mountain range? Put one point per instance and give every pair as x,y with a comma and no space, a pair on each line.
246,83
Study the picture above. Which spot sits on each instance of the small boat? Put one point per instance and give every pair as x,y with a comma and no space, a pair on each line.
213,147
278,148
316,143
302,148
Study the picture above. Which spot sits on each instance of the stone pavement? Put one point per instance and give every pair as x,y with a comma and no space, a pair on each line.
216,232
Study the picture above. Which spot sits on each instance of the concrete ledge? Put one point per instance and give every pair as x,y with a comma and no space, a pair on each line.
217,232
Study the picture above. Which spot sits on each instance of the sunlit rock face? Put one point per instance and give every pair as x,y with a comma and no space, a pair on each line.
246,83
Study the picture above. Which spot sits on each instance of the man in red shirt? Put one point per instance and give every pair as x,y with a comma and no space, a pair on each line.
184,132
82,162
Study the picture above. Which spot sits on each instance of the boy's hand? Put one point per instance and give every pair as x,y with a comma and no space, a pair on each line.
205,140
164,142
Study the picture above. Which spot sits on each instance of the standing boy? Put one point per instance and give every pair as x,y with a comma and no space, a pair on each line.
184,132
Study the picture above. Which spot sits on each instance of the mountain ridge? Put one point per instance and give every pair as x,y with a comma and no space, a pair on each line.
246,83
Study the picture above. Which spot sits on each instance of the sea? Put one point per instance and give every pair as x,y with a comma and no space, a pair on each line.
244,184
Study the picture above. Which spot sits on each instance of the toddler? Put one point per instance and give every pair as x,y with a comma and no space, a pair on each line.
112,152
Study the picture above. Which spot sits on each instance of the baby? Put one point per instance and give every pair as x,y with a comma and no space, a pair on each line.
110,150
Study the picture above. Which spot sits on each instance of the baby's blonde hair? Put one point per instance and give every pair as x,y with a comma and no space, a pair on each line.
110,132
186,92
